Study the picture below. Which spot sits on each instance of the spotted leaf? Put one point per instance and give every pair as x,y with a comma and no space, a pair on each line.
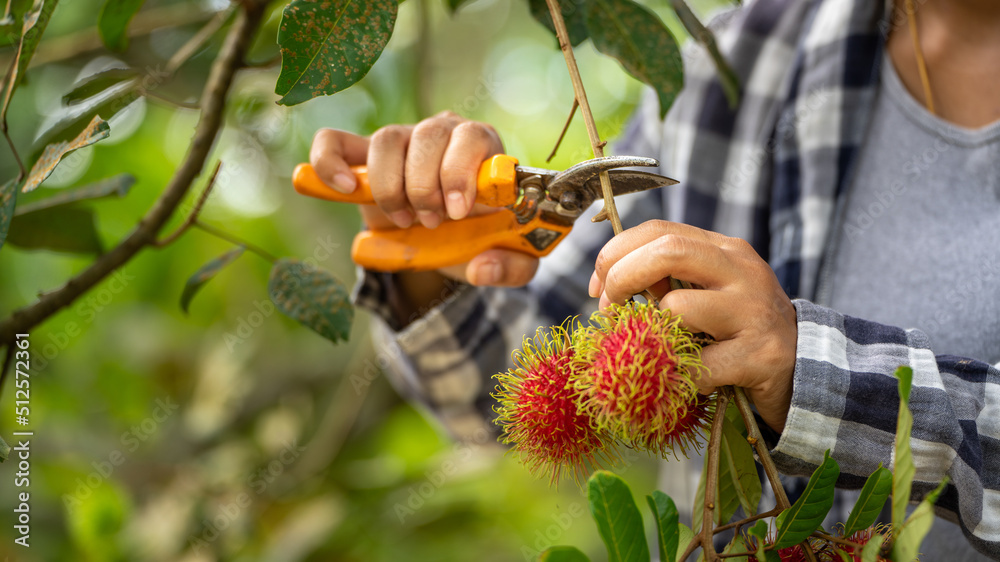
642,44
313,297
328,45
205,274
97,130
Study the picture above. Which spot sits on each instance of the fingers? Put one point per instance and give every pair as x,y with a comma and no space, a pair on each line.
471,143
333,153
692,259
704,311
424,154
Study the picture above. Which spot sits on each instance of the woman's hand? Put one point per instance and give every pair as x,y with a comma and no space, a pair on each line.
423,173
740,304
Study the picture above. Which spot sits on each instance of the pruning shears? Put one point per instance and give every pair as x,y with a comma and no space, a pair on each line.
538,206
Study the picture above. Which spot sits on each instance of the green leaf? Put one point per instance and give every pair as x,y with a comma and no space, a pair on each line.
112,23
701,34
313,297
906,547
737,454
872,548
328,45
68,128
666,518
796,523
118,185
97,130
903,468
638,39
574,13
735,545
8,200
685,536
759,531
4,450
32,28
62,229
618,519
205,274
563,554
97,83
870,502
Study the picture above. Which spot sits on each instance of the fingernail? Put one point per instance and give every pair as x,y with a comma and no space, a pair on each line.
403,219
455,202
489,273
594,289
344,183
429,219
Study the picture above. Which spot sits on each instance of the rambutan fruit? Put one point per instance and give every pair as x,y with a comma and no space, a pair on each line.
863,537
538,414
634,374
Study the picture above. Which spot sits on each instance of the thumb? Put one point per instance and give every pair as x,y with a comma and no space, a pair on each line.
332,154
501,268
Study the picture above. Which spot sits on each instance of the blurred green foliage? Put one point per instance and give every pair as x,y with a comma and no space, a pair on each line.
234,433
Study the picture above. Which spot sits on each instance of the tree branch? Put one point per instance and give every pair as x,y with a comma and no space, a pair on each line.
193,216
588,116
565,128
213,103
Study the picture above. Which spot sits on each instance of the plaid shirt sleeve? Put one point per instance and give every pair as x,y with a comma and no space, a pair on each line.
845,399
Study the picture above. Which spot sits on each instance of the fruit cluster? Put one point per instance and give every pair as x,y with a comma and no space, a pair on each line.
579,392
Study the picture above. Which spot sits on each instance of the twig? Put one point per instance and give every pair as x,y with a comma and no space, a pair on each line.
565,128
13,149
213,101
169,101
235,240
838,540
754,438
193,216
741,522
196,41
588,116
712,479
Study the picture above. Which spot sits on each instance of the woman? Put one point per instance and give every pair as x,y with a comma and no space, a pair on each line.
843,180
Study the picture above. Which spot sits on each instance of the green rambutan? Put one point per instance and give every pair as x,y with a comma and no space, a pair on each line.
634,373
538,413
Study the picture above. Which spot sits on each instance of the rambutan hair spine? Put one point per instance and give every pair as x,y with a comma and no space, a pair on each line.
635,374
538,413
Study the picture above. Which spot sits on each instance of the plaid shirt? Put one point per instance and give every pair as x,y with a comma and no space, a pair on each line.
771,171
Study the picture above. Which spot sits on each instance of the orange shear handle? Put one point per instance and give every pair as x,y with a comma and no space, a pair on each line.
496,184
453,242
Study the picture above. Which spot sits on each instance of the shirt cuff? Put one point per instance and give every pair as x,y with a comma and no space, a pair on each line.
816,381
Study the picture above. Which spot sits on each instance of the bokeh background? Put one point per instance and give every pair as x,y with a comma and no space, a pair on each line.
232,433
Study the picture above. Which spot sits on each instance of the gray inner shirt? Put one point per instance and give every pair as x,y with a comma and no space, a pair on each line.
918,242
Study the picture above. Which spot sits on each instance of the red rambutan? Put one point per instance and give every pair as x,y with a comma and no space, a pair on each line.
539,416
635,372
